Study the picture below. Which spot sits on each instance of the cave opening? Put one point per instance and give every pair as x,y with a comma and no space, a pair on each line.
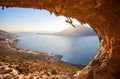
78,44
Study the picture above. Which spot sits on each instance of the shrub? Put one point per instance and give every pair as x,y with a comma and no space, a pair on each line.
53,71
23,68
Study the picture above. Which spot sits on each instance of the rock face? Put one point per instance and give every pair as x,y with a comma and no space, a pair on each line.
102,15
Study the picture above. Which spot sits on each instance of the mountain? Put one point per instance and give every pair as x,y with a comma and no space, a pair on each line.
78,31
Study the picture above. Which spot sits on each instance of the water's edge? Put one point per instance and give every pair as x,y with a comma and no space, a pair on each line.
54,47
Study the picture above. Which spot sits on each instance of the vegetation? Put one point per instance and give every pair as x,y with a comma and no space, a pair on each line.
23,68
30,64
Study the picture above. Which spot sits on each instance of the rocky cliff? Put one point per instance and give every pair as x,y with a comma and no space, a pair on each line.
102,15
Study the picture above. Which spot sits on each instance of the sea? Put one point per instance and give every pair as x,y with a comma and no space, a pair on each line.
75,50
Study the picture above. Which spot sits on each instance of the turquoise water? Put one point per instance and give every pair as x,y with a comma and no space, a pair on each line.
75,50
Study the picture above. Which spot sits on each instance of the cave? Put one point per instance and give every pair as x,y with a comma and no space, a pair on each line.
102,15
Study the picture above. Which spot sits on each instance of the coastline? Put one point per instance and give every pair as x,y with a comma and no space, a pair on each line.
11,43
19,63
51,56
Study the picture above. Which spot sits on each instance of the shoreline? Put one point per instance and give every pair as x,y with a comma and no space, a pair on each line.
17,63
13,46
57,57
11,43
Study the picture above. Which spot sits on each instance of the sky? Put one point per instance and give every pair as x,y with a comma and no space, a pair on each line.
23,20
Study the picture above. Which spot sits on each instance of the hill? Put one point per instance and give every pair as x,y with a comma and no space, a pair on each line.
78,31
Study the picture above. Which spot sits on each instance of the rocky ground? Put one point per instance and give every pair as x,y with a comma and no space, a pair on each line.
16,63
